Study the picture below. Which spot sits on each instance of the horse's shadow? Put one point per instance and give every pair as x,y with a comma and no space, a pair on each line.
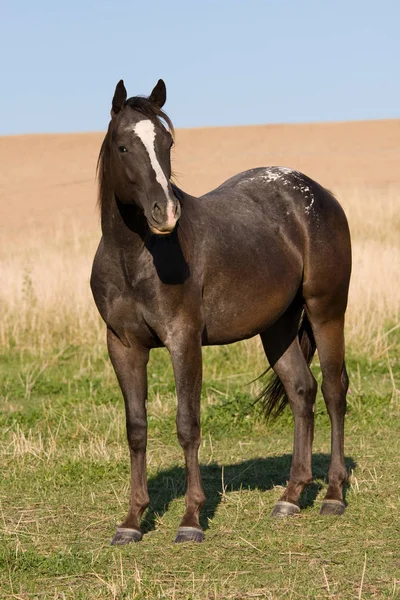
259,473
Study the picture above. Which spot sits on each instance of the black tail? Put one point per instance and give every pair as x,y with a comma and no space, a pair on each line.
273,396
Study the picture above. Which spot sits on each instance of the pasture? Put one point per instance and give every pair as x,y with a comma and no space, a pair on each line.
64,456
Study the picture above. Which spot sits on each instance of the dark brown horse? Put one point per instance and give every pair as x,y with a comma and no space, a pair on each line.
267,252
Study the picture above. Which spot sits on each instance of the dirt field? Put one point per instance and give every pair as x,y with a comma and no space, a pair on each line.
47,179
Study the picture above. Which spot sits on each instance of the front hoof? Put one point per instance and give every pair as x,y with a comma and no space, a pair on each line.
124,535
284,509
189,534
332,507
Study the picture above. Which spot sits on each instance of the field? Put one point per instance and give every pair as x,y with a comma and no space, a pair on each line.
64,456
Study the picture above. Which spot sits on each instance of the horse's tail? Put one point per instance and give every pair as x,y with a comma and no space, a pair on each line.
273,397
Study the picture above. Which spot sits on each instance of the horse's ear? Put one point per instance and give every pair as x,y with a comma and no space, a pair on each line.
119,99
159,95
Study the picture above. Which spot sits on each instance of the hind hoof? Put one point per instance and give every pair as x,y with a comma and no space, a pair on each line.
332,507
124,535
189,534
285,509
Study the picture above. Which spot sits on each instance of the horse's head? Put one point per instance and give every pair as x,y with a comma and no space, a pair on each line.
138,148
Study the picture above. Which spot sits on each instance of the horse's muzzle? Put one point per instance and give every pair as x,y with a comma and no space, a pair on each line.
163,222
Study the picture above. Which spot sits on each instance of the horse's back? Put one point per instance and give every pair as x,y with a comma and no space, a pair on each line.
273,189
283,200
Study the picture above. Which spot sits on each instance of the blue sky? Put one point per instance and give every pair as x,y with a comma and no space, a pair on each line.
225,62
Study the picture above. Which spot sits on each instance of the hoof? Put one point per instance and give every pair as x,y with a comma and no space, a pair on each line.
285,509
332,507
124,535
189,534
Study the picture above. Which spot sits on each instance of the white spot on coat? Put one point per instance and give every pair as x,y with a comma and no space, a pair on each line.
287,177
308,208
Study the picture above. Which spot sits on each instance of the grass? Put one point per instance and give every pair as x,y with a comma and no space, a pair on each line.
65,476
65,487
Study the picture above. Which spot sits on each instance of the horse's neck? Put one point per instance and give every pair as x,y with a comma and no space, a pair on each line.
122,224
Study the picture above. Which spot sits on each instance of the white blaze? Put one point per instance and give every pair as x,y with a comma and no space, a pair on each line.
146,132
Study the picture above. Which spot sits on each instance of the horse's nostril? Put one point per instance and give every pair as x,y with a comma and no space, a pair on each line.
156,212
177,209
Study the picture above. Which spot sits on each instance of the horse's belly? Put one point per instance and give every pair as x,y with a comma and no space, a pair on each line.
227,324
241,308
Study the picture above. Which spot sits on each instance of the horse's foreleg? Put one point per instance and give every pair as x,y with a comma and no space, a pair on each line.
187,363
130,367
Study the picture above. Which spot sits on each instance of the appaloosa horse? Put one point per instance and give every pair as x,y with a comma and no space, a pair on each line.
267,252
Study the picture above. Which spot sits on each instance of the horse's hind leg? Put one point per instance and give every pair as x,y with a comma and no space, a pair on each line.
329,339
327,269
281,345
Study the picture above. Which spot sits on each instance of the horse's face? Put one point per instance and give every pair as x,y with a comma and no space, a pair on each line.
141,162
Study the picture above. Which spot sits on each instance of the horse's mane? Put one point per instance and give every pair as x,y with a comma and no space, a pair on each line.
148,109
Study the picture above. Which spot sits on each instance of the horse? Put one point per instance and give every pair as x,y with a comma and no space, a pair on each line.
266,253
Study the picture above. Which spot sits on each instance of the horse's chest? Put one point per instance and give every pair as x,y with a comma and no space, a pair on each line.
137,310
122,312
120,305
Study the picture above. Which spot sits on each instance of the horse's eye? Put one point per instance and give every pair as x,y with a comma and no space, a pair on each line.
122,149
171,144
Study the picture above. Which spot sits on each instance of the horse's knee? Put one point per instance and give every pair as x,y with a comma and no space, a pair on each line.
137,434
188,430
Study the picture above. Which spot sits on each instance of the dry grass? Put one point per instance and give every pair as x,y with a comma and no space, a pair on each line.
45,296
374,305
46,301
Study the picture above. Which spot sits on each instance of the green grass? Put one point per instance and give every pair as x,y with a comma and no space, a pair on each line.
65,483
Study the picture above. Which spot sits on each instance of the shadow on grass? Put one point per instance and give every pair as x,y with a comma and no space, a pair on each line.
259,473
